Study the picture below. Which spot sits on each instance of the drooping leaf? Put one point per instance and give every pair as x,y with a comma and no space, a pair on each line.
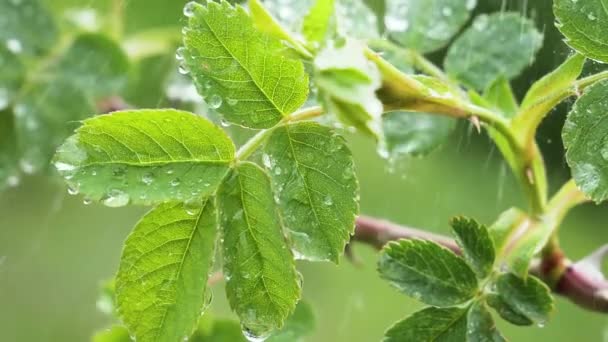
506,312
9,167
583,24
313,176
431,324
416,134
496,44
427,272
115,333
528,297
27,27
262,284
500,96
145,157
12,74
45,115
93,63
319,23
347,84
424,25
481,326
300,324
476,244
239,70
584,139
161,286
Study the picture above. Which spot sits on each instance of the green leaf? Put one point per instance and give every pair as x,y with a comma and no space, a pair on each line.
532,236
495,45
584,139
161,286
145,157
217,330
27,26
265,23
530,297
426,25
319,23
506,312
481,326
12,75
583,24
505,227
313,175
500,96
347,84
416,134
300,324
427,272
148,80
115,333
239,70
9,168
45,115
431,324
262,284
95,64
476,244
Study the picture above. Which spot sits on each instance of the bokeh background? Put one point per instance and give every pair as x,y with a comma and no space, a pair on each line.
55,251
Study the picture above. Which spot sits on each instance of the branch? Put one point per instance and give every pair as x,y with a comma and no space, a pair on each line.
581,282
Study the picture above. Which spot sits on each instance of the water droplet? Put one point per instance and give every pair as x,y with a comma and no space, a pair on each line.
27,166
182,70
190,8
277,170
87,201
116,198
73,190
215,101
175,182
266,161
232,102
591,16
14,45
63,167
252,336
147,178
328,200
179,54
192,207
13,181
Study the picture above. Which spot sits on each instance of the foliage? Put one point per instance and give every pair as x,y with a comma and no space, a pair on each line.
272,69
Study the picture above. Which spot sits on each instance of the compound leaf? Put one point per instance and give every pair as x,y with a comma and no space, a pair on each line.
424,25
584,136
262,284
162,279
476,243
312,172
427,272
145,157
239,70
481,325
507,312
528,297
583,24
430,324
495,45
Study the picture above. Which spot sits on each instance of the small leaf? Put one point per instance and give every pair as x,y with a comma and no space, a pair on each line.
241,71
530,297
262,284
427,272
27,26
481,326
264,22
532,236
584,139
217,330
95,64
12,76
161,286
145,157
583,24
500,96
313,176
319,23
506,312
415,134
505,226
426,25
430,324
300,324
115,333
495,45
476,244
347,84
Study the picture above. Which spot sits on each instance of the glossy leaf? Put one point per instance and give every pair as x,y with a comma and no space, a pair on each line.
262,284
27,27
347,84
240,71
161,286
427,272
115,333
583,24
476,244
431,324
500,96
416,134
481,326
426,25
300,324
495,45
507,312
319,23
313,176
145,157
584,139
530,297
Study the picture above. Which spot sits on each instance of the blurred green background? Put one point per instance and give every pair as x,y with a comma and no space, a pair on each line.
55,251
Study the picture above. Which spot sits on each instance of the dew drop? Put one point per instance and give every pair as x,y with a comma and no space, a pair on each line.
116,198
278,170
266,161
328,200
232,102
189,9
14,45
87,201
182,70
73,190
215,101
175,182
252,336
148,178
27,166
13,181
179,54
